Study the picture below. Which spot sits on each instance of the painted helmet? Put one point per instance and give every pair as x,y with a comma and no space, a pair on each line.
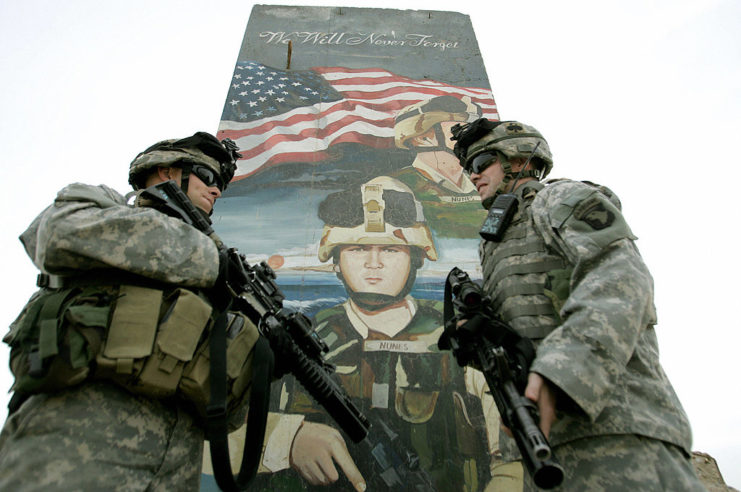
381,211
419,118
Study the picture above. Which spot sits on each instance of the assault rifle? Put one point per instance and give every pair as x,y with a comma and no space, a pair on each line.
292,340
489,344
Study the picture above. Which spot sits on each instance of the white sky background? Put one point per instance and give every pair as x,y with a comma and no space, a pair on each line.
642,96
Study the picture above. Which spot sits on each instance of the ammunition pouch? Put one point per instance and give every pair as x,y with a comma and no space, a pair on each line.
152,342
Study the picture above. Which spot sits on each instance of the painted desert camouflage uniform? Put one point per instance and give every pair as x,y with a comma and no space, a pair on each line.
415,389
568,275
97,436
450,211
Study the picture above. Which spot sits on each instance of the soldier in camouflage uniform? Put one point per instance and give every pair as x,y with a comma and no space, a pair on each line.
450,201
384,344
92,415
567,274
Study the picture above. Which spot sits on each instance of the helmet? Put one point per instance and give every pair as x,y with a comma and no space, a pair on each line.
419,118
381,211
511,138
202,148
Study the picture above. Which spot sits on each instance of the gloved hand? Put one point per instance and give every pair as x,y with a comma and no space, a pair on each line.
469,334
231,276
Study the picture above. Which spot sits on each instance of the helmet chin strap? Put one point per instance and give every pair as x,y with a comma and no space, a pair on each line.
440,147
185,177
440,136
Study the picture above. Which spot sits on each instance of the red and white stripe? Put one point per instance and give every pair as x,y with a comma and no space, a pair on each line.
365,115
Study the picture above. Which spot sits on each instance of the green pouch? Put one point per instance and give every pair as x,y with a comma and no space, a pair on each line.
55,339
177,339
85,341
194,384
239,358
130,335
415,406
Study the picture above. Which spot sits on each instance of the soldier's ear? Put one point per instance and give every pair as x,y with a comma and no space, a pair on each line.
424,140
168,173
164,173
159,175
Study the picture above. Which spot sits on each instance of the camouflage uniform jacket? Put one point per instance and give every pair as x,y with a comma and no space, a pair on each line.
568,275
90,228
89,233
416,390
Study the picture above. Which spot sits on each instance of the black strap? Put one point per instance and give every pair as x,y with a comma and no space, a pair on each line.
16,401
263,363
216,428
447,340
103,277
448,312
216,421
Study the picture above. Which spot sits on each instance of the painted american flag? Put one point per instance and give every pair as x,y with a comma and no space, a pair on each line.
295,116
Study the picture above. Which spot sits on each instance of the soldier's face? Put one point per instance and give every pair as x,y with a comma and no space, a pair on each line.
201,195
376,268
488,180
446,126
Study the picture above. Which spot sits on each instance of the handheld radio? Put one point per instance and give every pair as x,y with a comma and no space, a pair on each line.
503,209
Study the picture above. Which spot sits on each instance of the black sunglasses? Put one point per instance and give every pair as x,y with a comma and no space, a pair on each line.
208,176
480,162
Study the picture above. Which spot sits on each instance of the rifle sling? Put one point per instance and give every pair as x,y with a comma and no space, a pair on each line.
216,425
262,375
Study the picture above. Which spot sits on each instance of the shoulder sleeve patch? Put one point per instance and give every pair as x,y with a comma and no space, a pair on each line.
594,212
583,216
597,219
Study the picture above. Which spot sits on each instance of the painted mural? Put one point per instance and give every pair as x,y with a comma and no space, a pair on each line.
349,189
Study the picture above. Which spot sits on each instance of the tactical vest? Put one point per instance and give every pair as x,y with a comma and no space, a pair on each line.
152,341
416,390
526,281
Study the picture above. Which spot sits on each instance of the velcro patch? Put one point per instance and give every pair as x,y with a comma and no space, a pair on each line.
593,212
